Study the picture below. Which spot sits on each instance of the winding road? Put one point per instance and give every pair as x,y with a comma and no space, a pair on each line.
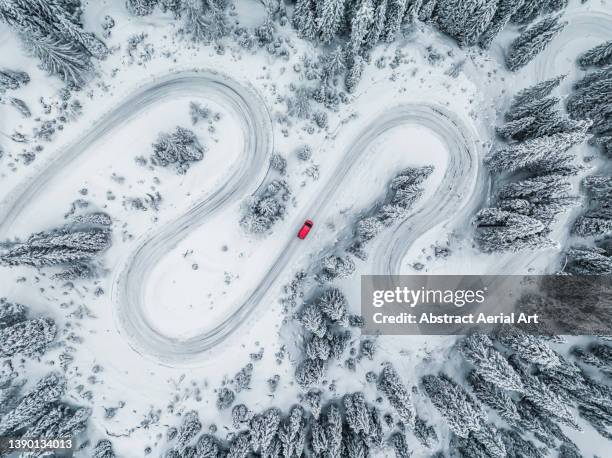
445,202
454,196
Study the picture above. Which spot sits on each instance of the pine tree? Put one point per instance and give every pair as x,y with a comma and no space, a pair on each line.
356,412
312,319
329,18
34,404
360,26
517,447
310,372
427,10
528,347
54,35
504,11
426,434
292,433
465,21
318,348
103,449
240,446
531,94
529,10
189,429
588,261
462,412
304,18
12,79
494,398
530,152
396,393
11,313
490,364
207,447
334,305
336,267
499,230
598,56
400,446
395,13
532,41
28,338
141,7
354,72
378,25
263,430
312,400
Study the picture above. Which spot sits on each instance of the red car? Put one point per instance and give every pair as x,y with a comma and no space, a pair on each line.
305,229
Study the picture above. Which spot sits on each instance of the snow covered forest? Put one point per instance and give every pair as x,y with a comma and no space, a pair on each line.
157,158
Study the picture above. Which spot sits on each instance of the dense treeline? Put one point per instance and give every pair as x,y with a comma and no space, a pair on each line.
52,31
532,171
359,25
592,100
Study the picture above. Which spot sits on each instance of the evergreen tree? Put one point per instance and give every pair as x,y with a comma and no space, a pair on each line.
517,447
34,404
207,447
360,26
333,267
400,446
394,15
178,148
357,414
310,372
318,348
103,449
396,393
263,430
532,152
426,434
588,261
494,398
304,18
189,429
465,21
329,18
598,56
292,433
12,79
354,72
141,7
334,305
521,101
530,348
240,446
54,34
490,364
378,25
28,338
504,11
312,319
427,10
462,412
499,230
532,41
11,313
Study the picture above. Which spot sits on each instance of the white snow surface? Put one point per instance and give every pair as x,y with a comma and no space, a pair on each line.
207,275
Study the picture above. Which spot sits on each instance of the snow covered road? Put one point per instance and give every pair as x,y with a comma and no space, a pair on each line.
452,195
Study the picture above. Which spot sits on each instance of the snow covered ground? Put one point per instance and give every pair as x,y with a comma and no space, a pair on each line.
188,294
